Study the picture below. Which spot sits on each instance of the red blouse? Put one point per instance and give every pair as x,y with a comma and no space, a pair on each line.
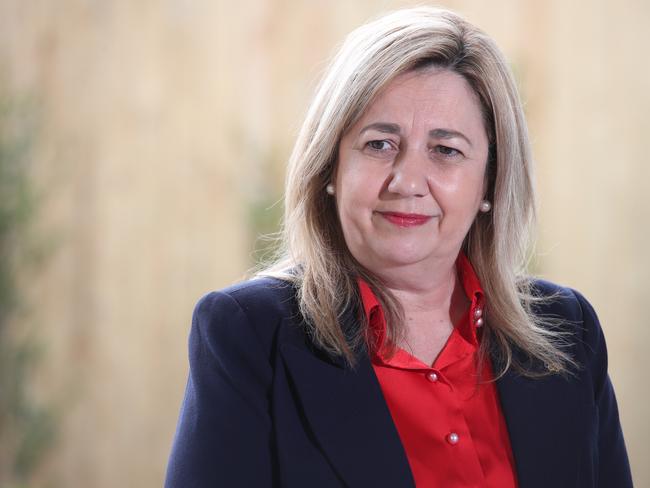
451,427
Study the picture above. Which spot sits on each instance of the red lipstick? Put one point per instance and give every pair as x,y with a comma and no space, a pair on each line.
404,219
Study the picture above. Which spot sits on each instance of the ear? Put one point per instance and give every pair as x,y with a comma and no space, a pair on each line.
486,182
489,176
334,171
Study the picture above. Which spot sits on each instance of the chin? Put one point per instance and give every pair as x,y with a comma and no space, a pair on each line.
400,256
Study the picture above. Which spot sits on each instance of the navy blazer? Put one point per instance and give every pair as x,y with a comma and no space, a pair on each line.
265,407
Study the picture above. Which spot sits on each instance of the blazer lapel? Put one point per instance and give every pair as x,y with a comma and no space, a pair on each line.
349,417
545,428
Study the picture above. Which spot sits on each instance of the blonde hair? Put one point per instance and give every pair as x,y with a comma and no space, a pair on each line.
314,254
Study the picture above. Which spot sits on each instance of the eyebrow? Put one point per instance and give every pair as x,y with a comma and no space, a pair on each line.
448,134
390,128
382,127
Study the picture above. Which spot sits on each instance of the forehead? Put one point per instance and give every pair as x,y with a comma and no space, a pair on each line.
431,96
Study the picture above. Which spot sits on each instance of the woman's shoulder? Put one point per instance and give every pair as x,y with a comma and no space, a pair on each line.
559,300
250,309
568,309
263,295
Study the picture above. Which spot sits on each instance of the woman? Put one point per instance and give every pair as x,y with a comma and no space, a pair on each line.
398,342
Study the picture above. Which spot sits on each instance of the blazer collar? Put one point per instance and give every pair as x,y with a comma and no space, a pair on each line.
346,410
545,428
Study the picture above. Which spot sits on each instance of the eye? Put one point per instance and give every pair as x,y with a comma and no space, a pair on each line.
379,145
447,152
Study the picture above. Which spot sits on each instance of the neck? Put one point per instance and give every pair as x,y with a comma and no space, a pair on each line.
421,288
432,303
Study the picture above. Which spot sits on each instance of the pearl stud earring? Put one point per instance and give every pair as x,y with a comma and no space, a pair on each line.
330,189
485,206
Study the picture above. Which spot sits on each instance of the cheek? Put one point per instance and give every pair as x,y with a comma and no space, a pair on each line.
353,203
461,193
358,183
358,190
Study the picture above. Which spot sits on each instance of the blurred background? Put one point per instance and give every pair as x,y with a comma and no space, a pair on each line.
142,153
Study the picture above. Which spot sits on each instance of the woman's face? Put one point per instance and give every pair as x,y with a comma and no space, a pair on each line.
410,173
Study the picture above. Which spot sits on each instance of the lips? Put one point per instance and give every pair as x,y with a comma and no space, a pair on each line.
405,219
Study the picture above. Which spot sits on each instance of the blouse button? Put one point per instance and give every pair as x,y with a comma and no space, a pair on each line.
453,438
432,377
479,322
478,311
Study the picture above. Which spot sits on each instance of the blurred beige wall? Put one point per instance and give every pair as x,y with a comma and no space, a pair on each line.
164,123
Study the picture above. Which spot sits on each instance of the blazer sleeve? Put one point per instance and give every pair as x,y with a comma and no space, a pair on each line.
612,463
223,437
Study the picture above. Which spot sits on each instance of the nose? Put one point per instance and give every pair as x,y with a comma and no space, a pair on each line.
408,177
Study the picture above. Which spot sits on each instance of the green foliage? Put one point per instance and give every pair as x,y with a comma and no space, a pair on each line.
26,427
